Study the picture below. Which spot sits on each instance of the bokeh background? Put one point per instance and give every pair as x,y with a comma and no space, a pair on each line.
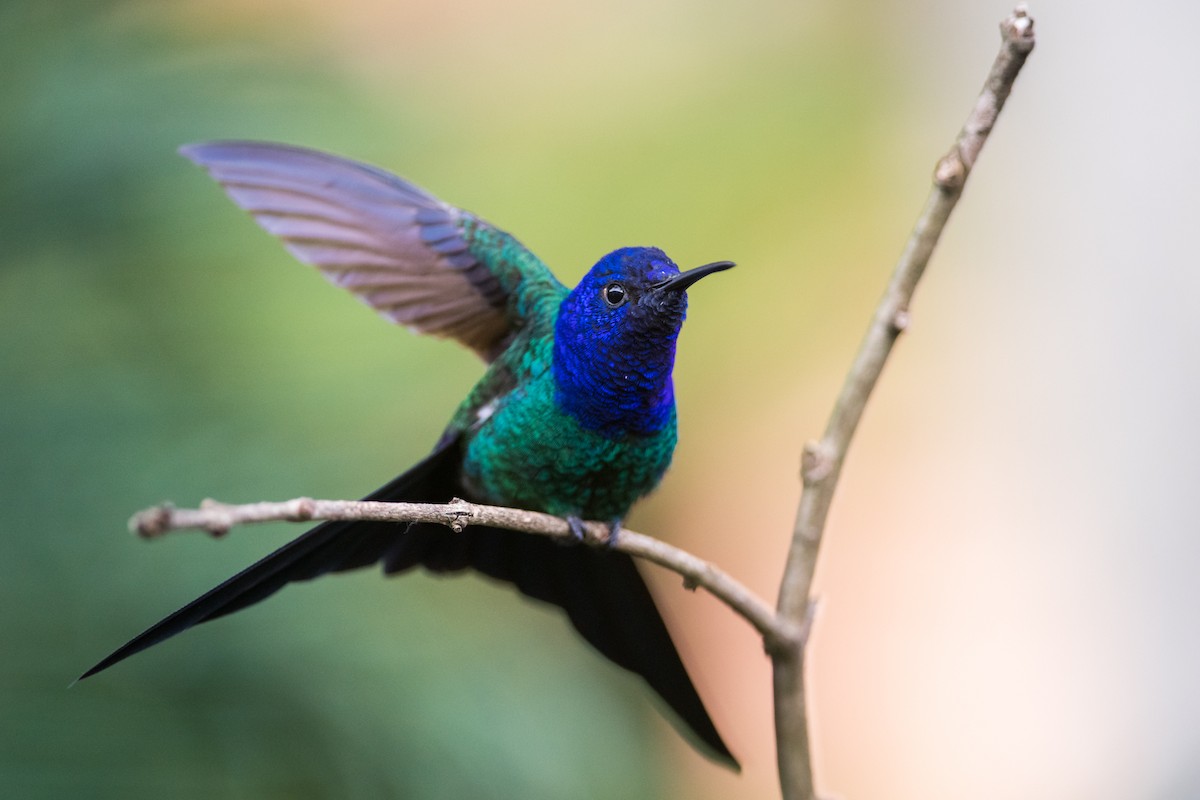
1009,584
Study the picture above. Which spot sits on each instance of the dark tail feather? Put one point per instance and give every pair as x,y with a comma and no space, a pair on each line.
601,591
329,547
608,602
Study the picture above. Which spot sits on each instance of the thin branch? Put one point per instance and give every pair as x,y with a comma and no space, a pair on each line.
217,518
822,461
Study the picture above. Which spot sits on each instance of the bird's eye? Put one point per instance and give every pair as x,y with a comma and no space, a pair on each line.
614,294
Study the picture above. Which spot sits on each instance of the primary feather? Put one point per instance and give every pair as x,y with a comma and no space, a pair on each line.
416,260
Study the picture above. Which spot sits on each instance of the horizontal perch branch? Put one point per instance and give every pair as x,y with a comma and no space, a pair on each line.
217,518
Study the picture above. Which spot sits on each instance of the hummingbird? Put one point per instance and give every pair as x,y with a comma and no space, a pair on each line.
574,416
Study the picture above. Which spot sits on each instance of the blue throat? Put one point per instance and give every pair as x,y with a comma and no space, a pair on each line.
616,381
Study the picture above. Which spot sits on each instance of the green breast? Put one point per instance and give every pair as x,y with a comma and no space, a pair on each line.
522,450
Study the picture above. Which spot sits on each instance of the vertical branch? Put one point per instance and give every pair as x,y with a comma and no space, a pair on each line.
822,461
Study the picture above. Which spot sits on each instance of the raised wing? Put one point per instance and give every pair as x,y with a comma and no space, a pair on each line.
418,261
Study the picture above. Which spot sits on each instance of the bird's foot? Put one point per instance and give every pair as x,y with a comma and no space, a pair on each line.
576,526
614,531
578,536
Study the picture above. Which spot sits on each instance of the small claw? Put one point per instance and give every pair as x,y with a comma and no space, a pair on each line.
576,526
614,532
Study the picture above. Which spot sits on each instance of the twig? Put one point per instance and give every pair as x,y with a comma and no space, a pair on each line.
822,461
217,518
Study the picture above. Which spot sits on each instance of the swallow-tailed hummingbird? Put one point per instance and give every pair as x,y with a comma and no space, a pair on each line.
574,416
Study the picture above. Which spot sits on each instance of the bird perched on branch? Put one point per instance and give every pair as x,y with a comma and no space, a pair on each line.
575,415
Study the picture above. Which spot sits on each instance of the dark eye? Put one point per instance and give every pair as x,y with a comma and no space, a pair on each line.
614,294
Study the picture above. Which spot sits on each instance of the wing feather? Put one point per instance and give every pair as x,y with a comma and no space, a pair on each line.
416,260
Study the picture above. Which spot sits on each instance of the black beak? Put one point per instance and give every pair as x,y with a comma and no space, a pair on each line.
683,280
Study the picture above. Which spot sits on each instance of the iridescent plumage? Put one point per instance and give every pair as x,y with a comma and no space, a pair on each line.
574,416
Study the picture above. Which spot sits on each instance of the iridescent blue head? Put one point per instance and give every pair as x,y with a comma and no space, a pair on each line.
614,341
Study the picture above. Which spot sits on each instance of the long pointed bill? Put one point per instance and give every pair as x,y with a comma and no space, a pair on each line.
685,279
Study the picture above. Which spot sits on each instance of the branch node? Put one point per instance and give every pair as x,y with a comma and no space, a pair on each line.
690,583
786,642
302,509
901,320
951,172
458,514
816,462
153,522
1018,28
218,521
218,528
599,535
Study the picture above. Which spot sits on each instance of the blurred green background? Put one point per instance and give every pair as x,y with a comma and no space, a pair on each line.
1008,585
